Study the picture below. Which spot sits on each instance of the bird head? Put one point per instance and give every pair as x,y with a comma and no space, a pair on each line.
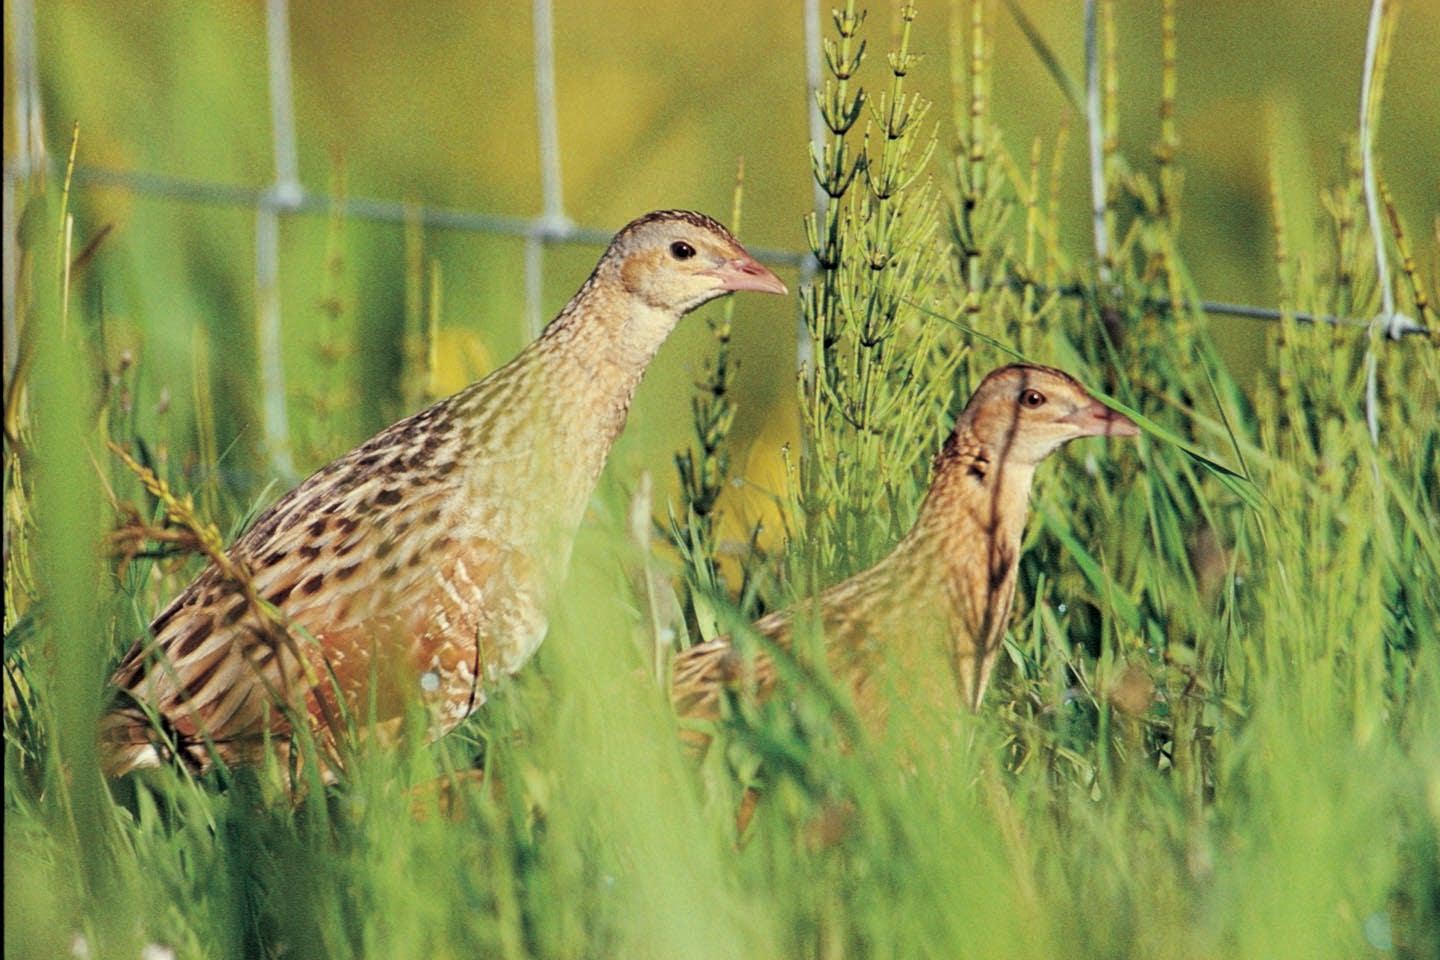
675,260
1024,413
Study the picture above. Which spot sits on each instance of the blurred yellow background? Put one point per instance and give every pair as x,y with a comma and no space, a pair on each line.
435,103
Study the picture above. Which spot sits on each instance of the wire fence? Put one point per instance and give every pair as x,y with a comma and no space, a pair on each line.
287,195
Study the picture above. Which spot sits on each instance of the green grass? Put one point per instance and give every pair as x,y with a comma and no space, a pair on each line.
1254,559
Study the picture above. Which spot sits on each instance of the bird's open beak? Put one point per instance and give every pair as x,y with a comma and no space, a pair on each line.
747,273
1098,420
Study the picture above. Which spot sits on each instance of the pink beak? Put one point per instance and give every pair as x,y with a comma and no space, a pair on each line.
1098,420
746,273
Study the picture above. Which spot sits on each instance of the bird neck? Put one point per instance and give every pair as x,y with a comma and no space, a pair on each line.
572,388
973,517
599,348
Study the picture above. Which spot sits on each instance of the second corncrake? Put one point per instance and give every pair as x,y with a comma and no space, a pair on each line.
420,563
925,623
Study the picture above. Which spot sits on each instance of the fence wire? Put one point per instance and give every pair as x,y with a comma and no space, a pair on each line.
285,194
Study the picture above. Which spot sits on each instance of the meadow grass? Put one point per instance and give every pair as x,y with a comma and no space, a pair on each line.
1215,733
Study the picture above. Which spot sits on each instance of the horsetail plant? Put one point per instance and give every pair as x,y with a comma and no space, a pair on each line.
871,405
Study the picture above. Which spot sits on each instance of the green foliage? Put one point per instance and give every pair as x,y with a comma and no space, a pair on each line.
1216,733
876,377
703,470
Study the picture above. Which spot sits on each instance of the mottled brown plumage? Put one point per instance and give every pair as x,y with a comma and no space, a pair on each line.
421,563
929,616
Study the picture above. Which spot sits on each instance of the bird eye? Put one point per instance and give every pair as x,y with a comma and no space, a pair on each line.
1032,399
681,250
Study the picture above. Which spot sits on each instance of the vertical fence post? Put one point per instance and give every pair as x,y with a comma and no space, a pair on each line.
804,349
1386,318
284,193
28,155
1095,128
552,224
9,223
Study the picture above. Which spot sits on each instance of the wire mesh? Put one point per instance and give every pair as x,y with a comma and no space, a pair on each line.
286,195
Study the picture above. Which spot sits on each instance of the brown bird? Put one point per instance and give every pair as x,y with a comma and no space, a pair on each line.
943,595
420,564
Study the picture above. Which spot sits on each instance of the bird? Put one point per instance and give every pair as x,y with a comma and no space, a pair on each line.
943,594
420,565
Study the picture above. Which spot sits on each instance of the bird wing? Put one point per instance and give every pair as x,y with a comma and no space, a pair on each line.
702,673
379,548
